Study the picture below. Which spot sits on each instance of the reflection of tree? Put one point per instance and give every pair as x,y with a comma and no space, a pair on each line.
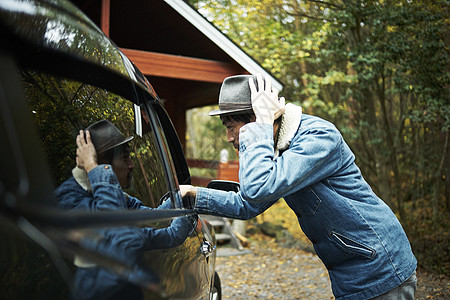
149,179
144,177
62,107
55,116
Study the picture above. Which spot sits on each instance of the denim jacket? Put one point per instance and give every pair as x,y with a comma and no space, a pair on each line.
99,190
355,234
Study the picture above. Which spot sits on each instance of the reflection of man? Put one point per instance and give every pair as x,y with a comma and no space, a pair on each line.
305,160
103,166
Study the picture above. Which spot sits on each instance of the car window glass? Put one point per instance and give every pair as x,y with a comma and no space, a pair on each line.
62,107
173,144
116,259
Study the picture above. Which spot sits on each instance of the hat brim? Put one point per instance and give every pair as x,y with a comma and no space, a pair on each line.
119,144
219,112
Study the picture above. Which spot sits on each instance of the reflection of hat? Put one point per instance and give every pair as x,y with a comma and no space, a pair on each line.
105,136
235,96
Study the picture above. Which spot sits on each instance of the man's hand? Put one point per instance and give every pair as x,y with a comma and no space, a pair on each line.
265,101
188,190
86,154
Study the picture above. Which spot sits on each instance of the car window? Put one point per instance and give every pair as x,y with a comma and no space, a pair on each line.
61,107
173,144
120,257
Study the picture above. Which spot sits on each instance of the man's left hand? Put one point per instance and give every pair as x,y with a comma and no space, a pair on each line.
265,102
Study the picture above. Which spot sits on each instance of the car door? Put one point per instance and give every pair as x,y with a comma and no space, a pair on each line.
60,107
205,232
48,95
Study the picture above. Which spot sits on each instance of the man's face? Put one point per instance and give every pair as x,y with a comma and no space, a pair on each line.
233,126
123,167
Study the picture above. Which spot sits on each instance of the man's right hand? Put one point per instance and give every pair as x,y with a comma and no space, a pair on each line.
188,190
86,154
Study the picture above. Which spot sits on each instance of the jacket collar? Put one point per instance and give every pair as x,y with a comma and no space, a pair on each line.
289,125
81,177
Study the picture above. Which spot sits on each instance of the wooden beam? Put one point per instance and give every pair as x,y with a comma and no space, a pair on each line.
203,163
104,17
181,67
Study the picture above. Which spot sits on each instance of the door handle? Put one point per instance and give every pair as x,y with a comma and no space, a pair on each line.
206,248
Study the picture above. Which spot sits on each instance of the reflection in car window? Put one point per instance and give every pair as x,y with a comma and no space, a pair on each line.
62,107
112,260
57,31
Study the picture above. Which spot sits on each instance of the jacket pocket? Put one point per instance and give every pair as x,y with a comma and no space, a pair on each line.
351,246
311,203
304,202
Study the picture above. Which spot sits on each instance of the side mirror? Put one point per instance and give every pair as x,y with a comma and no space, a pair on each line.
224,185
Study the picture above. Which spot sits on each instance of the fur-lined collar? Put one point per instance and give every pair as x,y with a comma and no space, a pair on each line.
82,179
289,125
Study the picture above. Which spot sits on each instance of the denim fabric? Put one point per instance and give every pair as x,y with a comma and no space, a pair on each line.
107,194
354,233
126,245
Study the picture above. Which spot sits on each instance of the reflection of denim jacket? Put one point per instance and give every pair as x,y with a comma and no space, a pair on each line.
100,190
355,233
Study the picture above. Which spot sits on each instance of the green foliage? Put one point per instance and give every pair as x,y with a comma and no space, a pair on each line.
61,108
206,138
378,69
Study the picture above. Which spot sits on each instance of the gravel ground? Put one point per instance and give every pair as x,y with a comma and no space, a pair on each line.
274,272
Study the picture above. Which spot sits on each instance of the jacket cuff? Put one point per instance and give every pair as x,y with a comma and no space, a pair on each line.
201,200
103,174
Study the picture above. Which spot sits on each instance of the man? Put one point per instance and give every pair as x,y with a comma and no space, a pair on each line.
104,166
304,160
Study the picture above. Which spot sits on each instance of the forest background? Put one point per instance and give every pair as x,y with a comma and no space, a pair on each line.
379,70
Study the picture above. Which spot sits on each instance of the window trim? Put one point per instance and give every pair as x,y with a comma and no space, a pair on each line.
165,155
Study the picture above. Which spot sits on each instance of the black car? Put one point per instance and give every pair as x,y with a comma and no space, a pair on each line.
58,74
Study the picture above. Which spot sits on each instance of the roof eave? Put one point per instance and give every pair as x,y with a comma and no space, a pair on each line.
221,40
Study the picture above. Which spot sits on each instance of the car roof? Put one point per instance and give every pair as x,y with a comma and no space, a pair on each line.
55,31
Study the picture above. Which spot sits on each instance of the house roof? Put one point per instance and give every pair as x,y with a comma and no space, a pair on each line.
185,57
171,39
221,40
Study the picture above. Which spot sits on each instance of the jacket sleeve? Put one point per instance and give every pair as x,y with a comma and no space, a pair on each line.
172,236
312,156
106,190
228,204
135,203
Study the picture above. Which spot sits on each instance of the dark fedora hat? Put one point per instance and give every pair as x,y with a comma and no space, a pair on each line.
234,96
105,136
